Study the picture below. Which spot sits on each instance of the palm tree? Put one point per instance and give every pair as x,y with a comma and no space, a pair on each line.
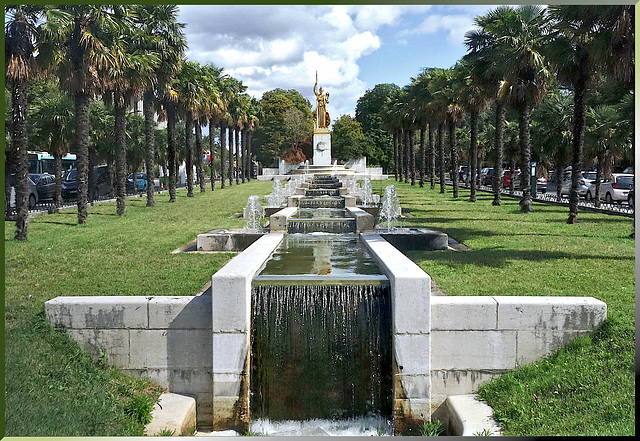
589,39
81,43
216,107
20,38
159,21
420,99
134,74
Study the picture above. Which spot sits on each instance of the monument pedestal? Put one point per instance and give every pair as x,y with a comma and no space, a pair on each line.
321,147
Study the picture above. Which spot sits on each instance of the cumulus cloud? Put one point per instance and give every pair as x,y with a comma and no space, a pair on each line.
455,27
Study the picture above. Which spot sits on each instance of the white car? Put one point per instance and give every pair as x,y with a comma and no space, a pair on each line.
583,184
614,190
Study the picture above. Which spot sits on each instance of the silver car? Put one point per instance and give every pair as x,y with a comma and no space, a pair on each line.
613,190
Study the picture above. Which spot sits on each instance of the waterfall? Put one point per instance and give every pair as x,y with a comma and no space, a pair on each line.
321,351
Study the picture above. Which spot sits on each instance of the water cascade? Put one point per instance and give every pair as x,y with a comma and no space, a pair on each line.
277,196
253,214
390,209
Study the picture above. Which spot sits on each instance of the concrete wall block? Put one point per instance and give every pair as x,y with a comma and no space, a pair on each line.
540,313
412,352
231,285
415,409
231,303
278,220
160,376
475,350
534,345
228,385
99,312
224,412
413,386
411,300
172,349
191,381
186,312
230,352
204,409
445,382
364,221
113,344
463,313
349,201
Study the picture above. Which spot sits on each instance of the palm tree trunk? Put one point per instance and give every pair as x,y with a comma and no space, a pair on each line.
395,154
120,127
453,142
243,133
198,157
401,154
20,143
412,157
171,151
497,162
57,172
578,141
474,152
223,147
598,179
407,153
441,155
188,126
422,155
249,154
230,156
236,133
525,149
149,137
212,128
82,153
432,154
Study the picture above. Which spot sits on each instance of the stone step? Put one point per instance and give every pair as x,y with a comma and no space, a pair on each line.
173,413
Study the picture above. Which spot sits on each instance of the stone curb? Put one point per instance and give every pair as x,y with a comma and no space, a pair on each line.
468,416
175,413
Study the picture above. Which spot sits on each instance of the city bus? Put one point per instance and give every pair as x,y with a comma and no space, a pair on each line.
43,162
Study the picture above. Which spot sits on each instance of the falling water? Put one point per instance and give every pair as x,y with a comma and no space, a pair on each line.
390,209
253,214
277,196
321,351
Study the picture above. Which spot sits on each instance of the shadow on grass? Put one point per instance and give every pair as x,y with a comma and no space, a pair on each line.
498,257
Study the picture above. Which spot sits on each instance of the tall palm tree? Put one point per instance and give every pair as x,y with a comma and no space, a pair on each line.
81,42
216,107
159,21
589,39
133,75
20,38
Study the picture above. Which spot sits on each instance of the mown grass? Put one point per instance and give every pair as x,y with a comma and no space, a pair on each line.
52,387
587,388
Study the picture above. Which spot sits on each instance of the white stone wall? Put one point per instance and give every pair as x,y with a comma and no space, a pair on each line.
474,339
167,339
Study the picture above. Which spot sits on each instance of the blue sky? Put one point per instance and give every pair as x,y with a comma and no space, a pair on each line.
353,48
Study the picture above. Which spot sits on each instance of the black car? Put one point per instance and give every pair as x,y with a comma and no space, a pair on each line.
45,185
99,182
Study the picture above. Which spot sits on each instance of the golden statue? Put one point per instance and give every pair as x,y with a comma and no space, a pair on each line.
320,115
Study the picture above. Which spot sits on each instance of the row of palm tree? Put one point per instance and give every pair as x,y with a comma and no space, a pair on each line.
515,56
123,53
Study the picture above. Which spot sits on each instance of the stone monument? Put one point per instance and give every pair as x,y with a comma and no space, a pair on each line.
321,135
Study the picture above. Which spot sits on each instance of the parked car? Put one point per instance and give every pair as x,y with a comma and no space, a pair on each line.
463,173
45,185
99,182
486,176
141,182
11,183
541,184
629,170
508,176
631,198
583,184
613,190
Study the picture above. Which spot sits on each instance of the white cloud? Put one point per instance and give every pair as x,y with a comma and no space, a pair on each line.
454,25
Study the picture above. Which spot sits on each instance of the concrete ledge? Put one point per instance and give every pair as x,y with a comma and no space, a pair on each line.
226,240
416,239
465,415
364,221
278,220
175,413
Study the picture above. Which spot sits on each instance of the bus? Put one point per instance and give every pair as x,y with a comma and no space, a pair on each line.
43,162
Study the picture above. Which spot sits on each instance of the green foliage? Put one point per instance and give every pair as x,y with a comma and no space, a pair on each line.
166,432
347,140
432,428
139,408
370,114
273,137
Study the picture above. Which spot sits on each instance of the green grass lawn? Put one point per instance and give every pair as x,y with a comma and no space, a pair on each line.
53,389
588,388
